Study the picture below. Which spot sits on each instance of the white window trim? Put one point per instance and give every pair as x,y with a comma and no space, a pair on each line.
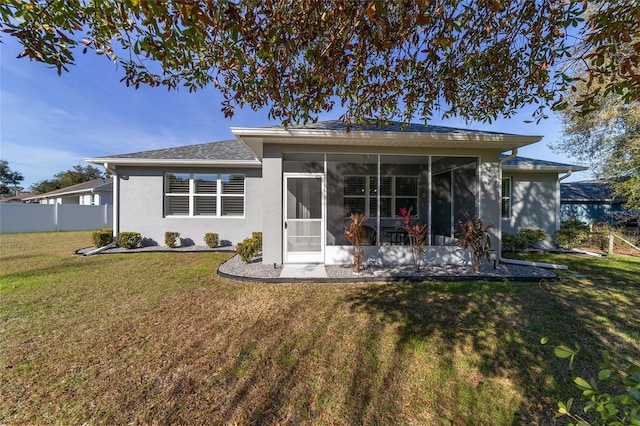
192,195
368,196
508,198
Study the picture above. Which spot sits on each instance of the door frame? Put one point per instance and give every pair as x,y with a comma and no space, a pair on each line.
304,257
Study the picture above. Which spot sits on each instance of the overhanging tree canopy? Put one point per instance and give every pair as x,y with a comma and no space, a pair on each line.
475,59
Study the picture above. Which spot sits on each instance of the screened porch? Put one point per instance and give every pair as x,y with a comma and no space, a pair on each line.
438,190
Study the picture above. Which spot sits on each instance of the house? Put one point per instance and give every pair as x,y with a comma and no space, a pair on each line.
531,194
91,193
298,185
17,198
592,201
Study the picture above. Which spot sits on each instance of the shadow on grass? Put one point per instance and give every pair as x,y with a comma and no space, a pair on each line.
497,327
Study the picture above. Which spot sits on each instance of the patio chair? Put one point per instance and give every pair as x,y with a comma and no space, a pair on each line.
369,236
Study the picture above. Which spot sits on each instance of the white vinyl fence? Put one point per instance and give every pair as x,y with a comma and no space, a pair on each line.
53,217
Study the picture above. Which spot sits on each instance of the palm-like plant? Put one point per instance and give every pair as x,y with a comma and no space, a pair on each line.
417,234
354,234
475,238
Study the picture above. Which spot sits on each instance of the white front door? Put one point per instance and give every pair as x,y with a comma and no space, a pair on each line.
304,228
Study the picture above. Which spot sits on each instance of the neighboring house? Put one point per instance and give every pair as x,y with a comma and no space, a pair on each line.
591,201
299,185
18,198
92,193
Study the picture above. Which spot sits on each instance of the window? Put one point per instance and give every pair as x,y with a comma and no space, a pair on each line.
361,195
213,195
506,198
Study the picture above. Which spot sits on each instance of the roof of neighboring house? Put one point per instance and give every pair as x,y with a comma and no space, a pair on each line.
587,191
96,185
531,164
17,198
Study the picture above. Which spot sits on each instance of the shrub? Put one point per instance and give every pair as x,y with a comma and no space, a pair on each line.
129,240
102,237
571,234
211,239
613,397
171,239
524,239
258,237
247,249
531,236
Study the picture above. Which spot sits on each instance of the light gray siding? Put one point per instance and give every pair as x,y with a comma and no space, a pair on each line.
142,207
534,202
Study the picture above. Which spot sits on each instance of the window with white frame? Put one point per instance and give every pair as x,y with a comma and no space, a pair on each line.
360,195
506,198
203,194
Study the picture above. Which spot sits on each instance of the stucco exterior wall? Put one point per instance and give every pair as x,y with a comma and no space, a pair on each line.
141,207
271,206
490,193
534,202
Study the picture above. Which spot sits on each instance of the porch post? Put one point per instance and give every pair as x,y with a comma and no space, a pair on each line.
429,230
378,205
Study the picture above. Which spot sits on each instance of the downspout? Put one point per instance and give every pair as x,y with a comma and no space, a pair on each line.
501,259
560,179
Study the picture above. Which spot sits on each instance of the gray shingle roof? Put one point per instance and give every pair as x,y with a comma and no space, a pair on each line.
224,150
590,190
391,126
524,162
90,186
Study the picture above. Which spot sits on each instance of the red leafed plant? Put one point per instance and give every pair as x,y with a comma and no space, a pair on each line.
475,238
354,234
417,234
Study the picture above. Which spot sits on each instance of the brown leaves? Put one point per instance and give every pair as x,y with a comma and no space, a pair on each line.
476,60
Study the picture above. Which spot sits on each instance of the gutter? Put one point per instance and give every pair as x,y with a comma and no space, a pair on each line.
514,152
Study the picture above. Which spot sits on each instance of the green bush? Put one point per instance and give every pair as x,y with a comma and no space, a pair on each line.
171,239
102,237
129,240
613,397
247,249
532,236
258,237
571,234
212,239
524,239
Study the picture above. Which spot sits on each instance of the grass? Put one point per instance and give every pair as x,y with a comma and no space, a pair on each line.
160,338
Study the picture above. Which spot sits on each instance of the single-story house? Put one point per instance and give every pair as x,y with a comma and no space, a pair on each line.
298,186
95,192
17,198
592,201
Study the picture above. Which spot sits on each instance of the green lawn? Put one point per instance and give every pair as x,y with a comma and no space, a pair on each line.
160,338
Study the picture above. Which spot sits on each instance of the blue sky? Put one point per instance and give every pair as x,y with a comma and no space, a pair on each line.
49,123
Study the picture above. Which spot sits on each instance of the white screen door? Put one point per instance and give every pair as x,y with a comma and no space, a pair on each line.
304,218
